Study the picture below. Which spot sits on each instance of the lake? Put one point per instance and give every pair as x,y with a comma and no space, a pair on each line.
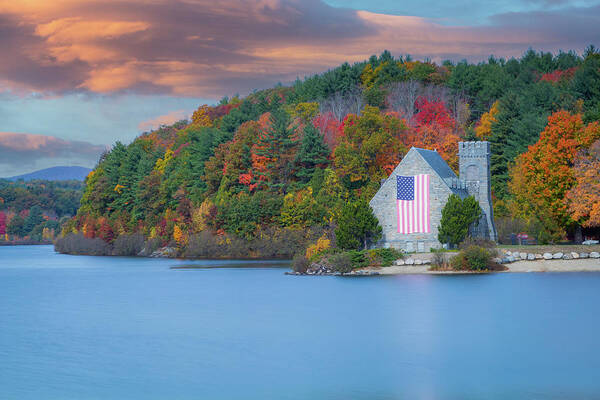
75,327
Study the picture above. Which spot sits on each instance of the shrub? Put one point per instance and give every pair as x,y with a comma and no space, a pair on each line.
314,250
76,243
341,262
475,258
439,260
300,264
128,245
383,257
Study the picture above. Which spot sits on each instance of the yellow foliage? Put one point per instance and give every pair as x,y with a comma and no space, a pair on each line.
306,111
119,188
179,236
201,215
161,163
153,232
200,116
322,244
484,129
367,77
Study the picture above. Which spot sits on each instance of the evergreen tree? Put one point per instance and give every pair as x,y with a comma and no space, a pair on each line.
34,218
313,153
357,226
275,148
15,226
457,217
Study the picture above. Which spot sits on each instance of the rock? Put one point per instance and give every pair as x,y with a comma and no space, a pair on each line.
557,256
538,256
590,242
505,260
531,256
547,256
426,261
508,253
399,262
418,262
584,255
164,252
523,256
497,260
567,257
574,255
515,257
410,261
594,254
510,259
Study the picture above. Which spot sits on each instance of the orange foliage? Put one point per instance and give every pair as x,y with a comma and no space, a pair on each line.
584,197
484,129
543,175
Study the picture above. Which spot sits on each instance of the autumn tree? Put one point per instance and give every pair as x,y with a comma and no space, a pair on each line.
543,176
370,148
484,129
584,197
2,223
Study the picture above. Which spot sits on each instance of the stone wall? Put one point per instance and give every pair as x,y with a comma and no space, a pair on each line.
384,206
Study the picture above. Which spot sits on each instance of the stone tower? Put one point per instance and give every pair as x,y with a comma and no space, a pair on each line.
474,171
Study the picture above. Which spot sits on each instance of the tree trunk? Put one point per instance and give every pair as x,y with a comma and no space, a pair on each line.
578,235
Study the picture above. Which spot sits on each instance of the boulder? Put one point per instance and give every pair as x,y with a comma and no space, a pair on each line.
504,260
523,256
399,262
584,255
418,262
409,261
497,260
531,256
567,257
510,259
539,256
557,256
590,242
574,255
508,253
594,254
547,256
426,261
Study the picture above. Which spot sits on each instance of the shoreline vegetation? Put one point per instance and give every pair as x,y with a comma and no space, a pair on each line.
275,173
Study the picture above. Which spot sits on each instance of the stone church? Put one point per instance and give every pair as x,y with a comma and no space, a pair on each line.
474,171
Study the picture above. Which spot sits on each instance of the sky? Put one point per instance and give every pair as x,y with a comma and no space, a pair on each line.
78,75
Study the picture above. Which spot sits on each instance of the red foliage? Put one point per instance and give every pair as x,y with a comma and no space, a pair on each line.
559,75
245,179
221,111
330,128
431,112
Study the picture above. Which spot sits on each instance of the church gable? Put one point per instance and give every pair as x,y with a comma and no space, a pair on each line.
384,202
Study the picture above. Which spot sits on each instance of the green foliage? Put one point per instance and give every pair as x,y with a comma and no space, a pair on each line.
457,217
383,257
313,154
357,226
16,226
475,258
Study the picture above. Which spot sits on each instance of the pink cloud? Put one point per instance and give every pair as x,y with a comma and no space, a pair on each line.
166,119
205,48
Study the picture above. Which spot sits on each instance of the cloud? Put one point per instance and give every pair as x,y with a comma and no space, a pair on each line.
206,48
166,119
24,151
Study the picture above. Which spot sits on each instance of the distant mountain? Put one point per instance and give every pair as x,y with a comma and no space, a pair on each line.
55,174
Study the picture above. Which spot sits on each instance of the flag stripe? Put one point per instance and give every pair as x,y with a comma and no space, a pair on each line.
412,204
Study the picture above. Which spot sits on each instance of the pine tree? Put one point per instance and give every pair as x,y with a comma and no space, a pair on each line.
34,218
313,153
357,226
457,216
275,147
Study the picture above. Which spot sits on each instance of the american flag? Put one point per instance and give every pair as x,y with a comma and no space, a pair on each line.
412,204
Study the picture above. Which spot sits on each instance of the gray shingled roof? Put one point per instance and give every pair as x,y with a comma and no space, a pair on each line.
437,163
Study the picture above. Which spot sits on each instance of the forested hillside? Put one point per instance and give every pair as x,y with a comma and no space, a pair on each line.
278,165
33,210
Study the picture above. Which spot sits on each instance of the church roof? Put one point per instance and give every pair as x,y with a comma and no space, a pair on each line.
436,162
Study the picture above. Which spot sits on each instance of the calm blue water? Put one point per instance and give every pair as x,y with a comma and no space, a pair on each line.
125,328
